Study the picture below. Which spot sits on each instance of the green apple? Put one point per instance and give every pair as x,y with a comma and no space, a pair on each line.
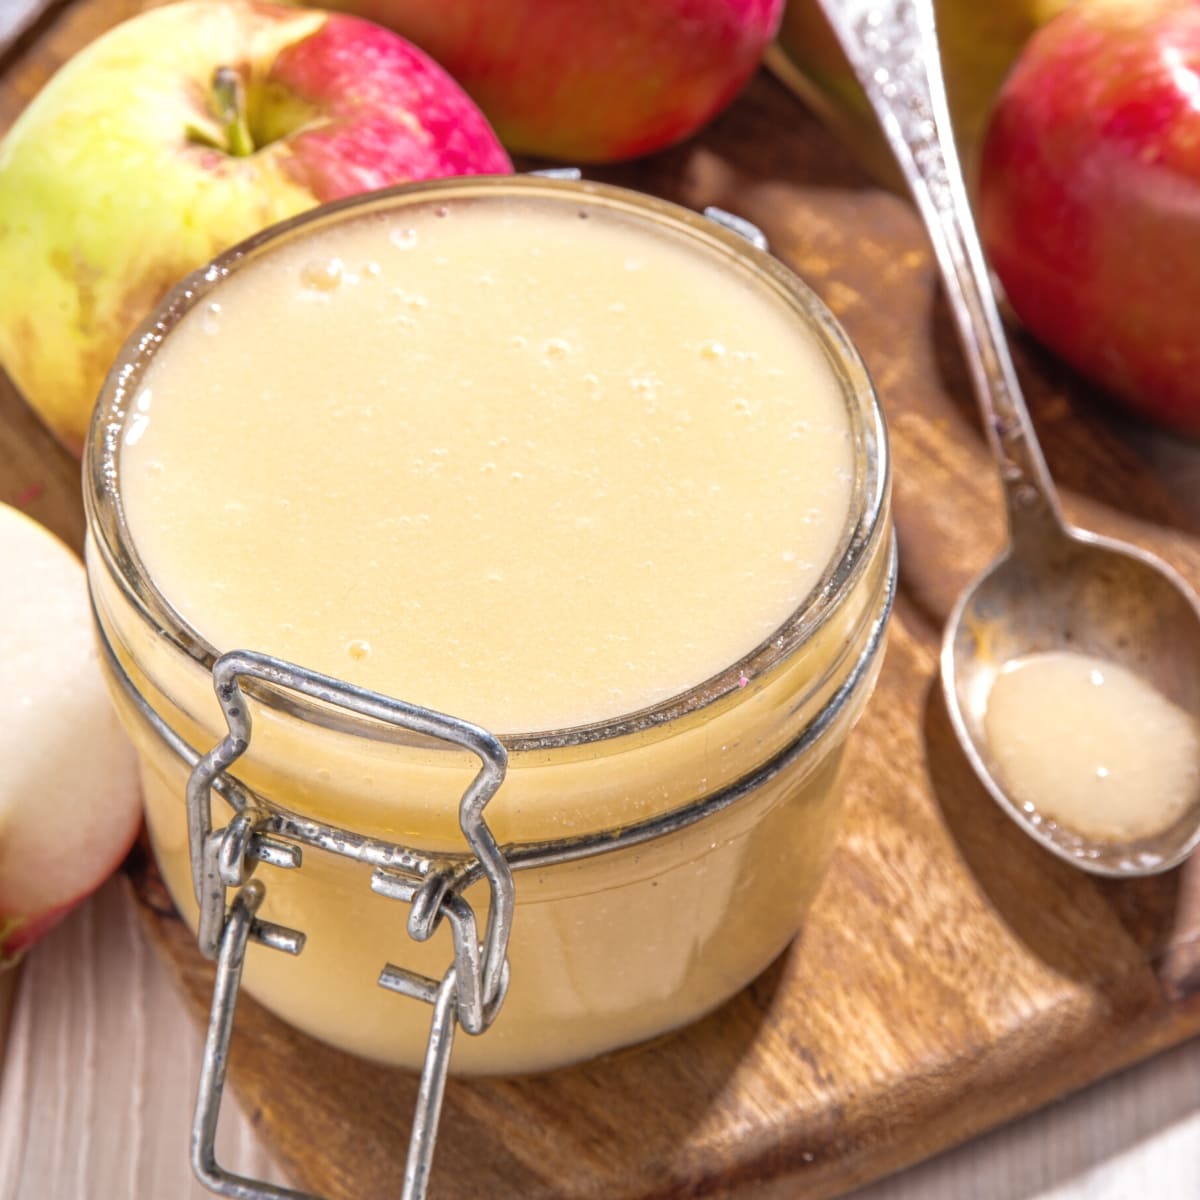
179,133
979,41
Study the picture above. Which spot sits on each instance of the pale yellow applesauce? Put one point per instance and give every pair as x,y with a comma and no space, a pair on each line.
535,470
543,463
1088,744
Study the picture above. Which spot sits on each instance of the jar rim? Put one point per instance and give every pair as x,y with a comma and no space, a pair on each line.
866,512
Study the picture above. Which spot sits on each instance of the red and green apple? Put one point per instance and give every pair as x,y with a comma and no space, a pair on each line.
179,133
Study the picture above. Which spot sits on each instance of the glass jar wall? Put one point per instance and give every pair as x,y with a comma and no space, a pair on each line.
730,784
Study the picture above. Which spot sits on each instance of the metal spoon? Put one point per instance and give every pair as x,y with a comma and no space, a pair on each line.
1055,587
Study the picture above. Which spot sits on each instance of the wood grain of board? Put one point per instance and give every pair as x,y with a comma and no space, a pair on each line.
951,974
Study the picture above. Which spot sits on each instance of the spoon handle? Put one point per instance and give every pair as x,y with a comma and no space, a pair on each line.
892,47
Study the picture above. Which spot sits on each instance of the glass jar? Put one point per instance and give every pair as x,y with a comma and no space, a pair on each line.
659,860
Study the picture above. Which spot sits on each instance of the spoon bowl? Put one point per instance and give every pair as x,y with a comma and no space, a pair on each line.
1079,592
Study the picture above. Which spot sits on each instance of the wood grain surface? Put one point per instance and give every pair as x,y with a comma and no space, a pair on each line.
1133,1134
101,1068
952,974
18,18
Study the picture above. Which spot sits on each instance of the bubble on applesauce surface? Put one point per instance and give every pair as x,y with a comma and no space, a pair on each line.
403,239
411,300
322,275
210,323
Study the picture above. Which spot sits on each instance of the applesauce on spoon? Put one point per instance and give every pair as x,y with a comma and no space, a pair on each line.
551,457
1088,744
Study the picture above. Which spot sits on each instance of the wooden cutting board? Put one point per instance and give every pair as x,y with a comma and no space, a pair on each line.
951,975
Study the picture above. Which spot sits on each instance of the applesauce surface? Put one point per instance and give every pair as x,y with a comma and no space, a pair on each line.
1088,744
532,464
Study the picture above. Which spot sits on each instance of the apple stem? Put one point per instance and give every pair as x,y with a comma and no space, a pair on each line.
229,98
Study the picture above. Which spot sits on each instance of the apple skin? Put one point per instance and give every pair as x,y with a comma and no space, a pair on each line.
70,806
589,80
1089,200
117,179
979,40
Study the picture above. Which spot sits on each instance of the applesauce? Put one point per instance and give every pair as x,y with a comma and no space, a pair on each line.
1086,743
569,463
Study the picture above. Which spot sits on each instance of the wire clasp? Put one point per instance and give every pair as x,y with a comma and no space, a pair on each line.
471,991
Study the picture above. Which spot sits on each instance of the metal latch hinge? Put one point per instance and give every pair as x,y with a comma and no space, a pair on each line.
471,991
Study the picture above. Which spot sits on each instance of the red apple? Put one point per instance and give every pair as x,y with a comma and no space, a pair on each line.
69,800
179,133
589,80
1090,198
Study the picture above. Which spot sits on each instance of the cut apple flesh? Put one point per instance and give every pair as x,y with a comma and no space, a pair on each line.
69,800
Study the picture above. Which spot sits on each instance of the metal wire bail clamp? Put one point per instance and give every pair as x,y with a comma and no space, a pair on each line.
471,991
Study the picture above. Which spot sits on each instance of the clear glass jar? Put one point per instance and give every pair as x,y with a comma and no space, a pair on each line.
661,859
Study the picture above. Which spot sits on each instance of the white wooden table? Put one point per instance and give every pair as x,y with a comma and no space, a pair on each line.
101,1062
17,15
